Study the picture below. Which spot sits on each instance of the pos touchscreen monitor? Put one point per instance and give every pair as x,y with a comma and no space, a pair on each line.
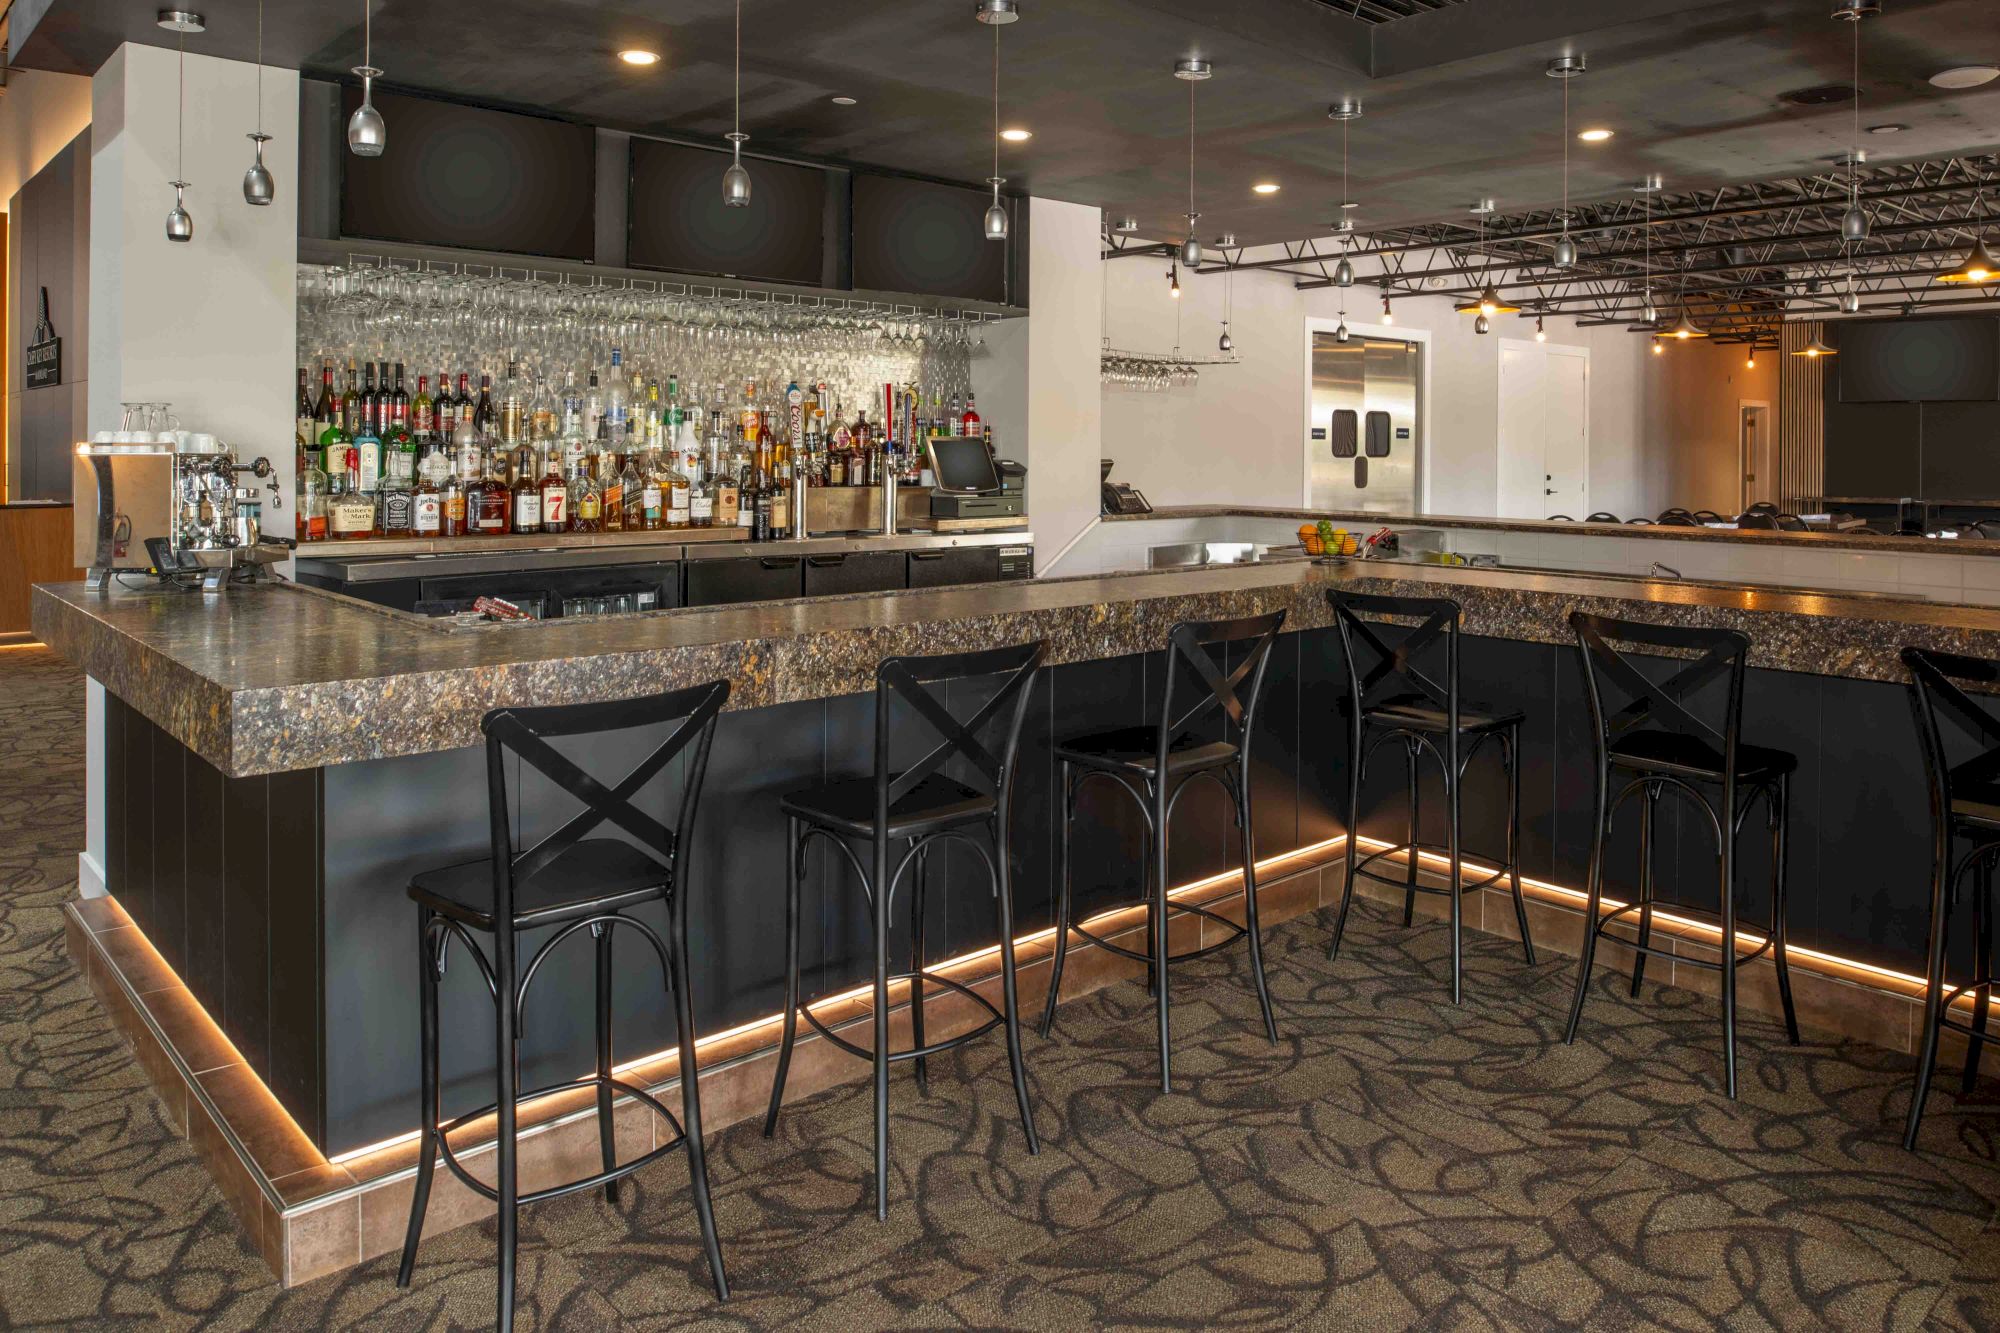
962,465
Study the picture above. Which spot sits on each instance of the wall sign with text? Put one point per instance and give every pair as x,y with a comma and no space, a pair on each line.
44,352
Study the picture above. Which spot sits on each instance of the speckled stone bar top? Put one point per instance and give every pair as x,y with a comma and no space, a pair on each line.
268,679
1366,522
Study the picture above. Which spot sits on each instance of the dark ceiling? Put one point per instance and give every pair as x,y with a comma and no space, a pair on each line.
1457,105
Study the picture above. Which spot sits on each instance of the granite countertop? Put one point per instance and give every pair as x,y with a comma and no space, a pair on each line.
272,678
1818,541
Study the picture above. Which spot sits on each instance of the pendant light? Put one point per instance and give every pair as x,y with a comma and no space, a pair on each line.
996,214
1816,349
180,225
1541,334
1979,267
367,133
1388,313
1226,343
1174,281
1192,71
258,187
995,11
1850,300
1343,272
1489,302
1685,328
1648,312
1854,223
736,180
1482,325
1565,68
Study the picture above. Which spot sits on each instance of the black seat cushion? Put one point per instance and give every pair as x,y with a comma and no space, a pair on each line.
1135,749
1417,712
1683,756
588,877
849,806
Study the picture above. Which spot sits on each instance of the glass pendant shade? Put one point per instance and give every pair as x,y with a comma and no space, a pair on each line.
180,226
1482,325
736,180
1340,334
1854,224
1225,343
258,187
1979,266
367,133
1649,313
1850,303
1565,252
996,215
1343,274
1191,252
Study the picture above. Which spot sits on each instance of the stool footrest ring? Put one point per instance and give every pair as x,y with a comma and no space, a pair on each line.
1465,885
619,1172
1236,932
1605,919
936,1047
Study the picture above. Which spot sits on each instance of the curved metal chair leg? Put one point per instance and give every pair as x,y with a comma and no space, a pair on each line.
1003,893
1157,919
1649,808
1350,852
427,991
1510,754
1595,887
794,872
1982,966
607,1137
1410,869
1242,793
1062,904
697,1153
1780,818
921,874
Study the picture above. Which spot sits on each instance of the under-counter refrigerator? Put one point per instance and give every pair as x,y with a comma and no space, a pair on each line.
1365,434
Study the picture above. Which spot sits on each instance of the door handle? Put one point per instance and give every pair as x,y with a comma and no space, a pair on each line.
927,555
824,561
769,562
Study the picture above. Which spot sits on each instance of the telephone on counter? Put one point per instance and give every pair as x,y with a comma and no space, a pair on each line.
1120,497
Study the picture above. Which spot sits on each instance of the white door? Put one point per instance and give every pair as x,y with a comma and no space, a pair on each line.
1566,432
1544,430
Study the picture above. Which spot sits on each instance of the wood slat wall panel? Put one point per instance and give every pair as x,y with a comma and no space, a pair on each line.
1801,416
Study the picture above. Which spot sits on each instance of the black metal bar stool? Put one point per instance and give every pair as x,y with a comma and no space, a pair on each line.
1656,744
571,882
1154,765
1965,805
1392,697
919,807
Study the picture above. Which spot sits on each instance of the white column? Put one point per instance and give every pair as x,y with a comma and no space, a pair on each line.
209,325
1065,405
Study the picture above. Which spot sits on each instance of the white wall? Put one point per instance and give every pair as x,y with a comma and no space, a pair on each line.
1065,402
209,325
39,113
1237,437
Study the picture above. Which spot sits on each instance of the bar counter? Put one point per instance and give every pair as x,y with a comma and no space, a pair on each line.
278,761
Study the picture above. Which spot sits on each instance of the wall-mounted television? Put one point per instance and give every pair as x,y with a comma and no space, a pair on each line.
472,179
677,219
918,236
1926,359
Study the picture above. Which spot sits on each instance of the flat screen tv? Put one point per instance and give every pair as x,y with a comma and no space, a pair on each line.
918,236
1929,359
679,222
472,178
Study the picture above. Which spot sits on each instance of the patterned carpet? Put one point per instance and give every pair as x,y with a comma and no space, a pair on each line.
1393,1163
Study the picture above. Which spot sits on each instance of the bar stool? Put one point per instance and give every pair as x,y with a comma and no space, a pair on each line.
1154,765
571,882
919,807
1655,744
1414,707
1965,804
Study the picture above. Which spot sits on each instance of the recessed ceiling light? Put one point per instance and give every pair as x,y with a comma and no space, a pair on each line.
843,100
1891,128
1265,187
636,56
1595,136
1965,76
1017,135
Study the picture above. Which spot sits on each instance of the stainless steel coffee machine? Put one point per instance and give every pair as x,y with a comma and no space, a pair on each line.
178,504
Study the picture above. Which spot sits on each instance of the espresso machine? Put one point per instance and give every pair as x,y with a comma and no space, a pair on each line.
175,502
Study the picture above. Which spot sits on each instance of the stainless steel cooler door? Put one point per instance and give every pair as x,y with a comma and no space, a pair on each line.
1365,375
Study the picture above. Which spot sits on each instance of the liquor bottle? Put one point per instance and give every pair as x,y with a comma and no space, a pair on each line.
754,507
327,412
701,494
653,491
969,424
632,493
367,464
679,489
750,419
513,409
423,415
399,448
397,504
459,491
555,496
364,404
843,434
586,501
311,513
779,489
613,490
616,408
350,402
544,412
444,410
836,468
491,502
727,495
399,401
593,410
427,494
482,411
350,511
302,416
384,399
